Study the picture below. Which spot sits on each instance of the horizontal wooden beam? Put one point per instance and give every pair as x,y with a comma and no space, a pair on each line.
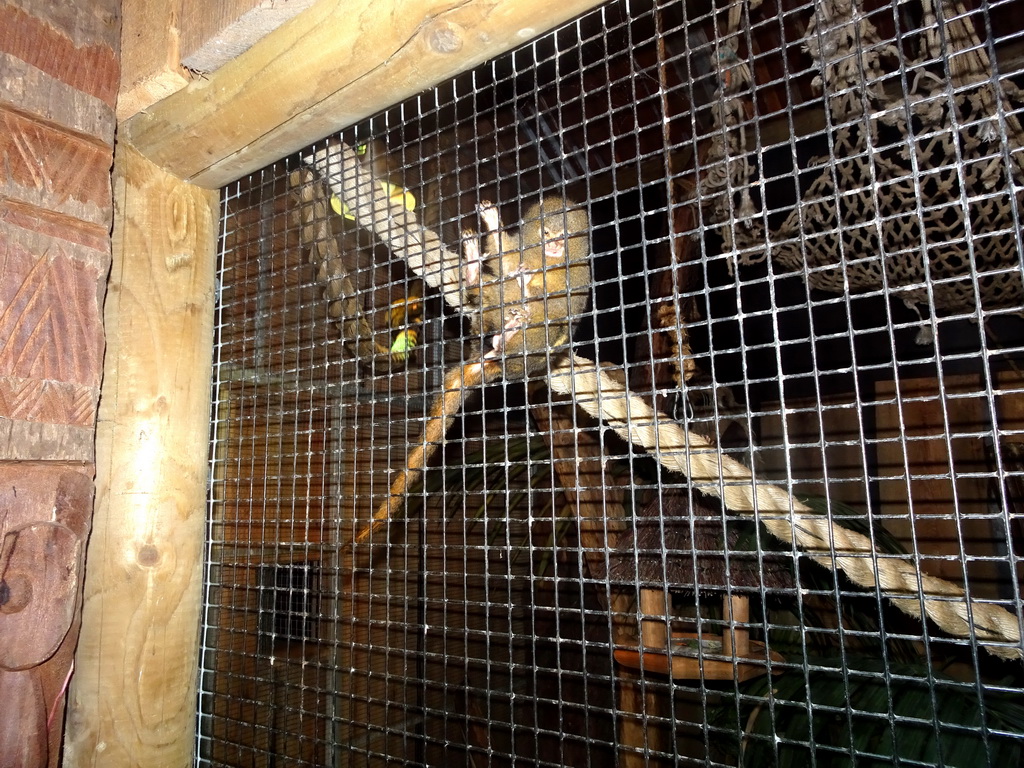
212,34
336,63
150,54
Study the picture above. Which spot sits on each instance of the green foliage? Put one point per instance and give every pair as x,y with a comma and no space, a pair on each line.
832,707
868,713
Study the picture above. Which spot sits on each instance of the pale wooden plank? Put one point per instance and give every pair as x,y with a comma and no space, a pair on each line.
212,34
332,65
133,694
201,20
931,466
150,54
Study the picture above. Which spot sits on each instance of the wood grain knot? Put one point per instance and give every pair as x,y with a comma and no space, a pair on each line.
175,261
148,556
15,593
445,37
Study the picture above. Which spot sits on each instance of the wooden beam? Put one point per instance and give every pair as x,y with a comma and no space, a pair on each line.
150,54
133,695
212,34
331,66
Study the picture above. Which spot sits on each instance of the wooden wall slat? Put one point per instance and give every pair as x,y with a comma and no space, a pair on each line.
58,84
48,167
932,464
68,44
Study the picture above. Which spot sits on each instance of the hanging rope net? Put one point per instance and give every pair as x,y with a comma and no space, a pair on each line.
919,192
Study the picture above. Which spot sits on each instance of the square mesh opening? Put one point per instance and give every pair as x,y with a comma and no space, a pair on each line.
703,531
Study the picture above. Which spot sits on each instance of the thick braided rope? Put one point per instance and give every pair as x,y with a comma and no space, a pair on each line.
787,519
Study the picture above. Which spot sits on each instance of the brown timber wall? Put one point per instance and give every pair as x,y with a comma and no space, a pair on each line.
58,85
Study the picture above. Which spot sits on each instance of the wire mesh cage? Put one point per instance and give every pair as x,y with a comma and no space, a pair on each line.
651,394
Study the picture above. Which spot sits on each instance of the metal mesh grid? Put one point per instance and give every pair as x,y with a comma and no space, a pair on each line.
805,237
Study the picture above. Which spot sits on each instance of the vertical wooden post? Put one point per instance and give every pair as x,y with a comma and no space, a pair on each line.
133,696
737,639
